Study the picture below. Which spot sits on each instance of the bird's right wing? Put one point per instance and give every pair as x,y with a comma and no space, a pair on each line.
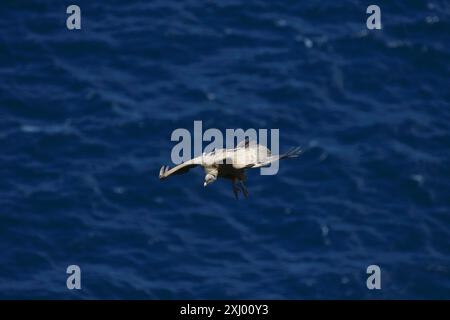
249,156
184,167
292,153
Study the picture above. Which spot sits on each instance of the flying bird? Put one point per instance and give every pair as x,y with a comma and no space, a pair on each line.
230,164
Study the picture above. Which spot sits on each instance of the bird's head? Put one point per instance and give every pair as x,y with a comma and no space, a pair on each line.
209,178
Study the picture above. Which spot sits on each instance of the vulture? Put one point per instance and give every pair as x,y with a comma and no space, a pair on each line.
230,164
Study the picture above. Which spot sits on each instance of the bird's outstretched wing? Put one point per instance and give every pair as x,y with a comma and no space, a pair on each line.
249,155
292,153
184,167
210,159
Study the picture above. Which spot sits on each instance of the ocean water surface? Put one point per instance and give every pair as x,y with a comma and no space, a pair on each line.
86,118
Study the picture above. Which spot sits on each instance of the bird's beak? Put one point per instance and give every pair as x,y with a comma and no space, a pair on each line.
205,184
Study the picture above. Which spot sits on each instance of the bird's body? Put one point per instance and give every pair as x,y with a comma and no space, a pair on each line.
228,172
230,164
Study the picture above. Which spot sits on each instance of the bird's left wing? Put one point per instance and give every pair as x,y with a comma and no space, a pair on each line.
184,167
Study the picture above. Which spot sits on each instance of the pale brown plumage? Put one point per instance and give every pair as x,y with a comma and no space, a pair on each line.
230,164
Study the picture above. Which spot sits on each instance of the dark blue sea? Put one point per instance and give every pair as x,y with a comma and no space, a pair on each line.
86,118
